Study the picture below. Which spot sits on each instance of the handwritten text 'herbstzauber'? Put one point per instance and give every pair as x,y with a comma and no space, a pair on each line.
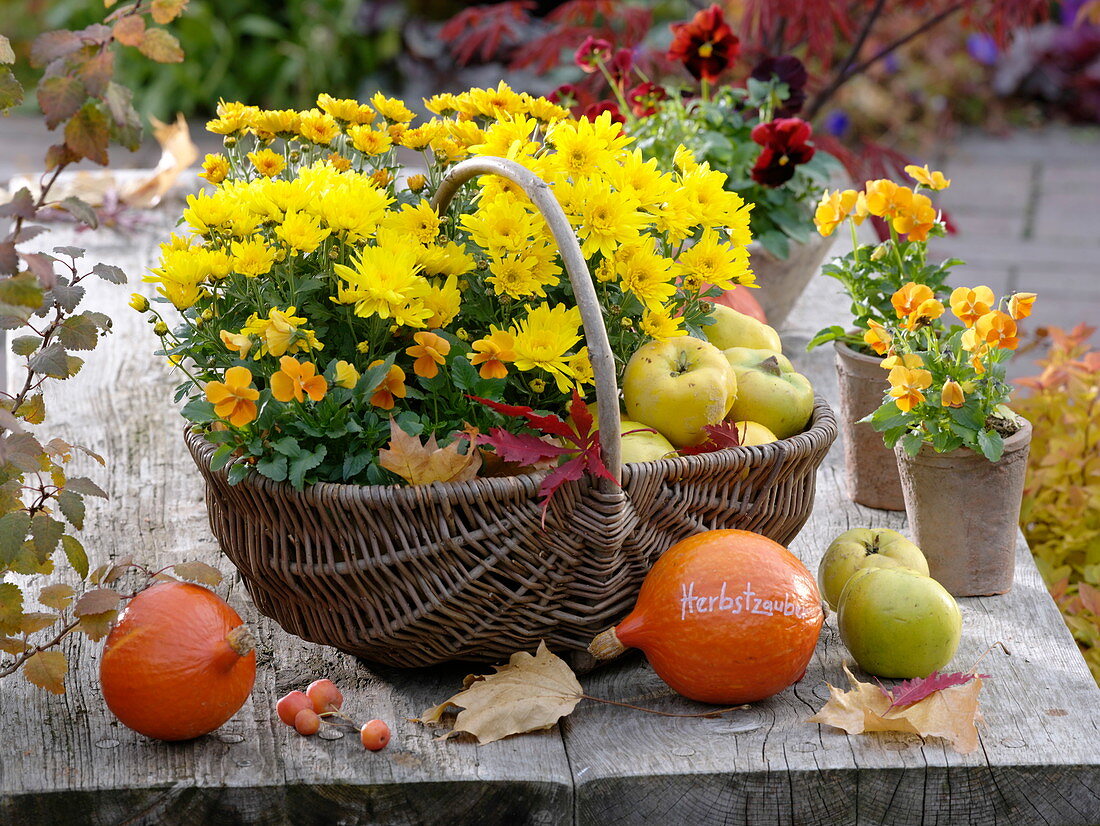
744,602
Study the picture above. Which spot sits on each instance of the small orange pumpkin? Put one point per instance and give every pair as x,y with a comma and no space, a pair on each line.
178,663
724,616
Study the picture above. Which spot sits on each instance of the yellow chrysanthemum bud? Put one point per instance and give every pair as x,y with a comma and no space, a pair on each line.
139,302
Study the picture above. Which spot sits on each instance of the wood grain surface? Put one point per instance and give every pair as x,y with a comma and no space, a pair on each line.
66,760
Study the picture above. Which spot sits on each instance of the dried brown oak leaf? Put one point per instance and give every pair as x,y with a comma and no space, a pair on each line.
421,464
527,694
951,713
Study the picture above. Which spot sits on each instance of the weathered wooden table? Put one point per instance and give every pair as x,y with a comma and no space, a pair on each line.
66,760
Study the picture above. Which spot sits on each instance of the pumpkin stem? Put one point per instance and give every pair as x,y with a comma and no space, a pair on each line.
606,645
241,640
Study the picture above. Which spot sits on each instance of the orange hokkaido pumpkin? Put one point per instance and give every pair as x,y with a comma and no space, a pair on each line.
724,617
178,663
742,300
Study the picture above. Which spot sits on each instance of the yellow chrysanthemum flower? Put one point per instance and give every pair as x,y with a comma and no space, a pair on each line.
522,276
509,139
370,141
349,111
417,221
447,259
661,326
584,147
384,281
645,274
267,163
215,168
544,338
604,219
444,301
354,208
392,109
302,232
422,135
441,103
318,127
715,262
253,257
273,123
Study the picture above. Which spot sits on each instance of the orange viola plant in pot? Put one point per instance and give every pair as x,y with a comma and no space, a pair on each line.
961,452
870,275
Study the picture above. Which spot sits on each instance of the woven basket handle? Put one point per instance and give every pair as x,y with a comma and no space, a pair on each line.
595,333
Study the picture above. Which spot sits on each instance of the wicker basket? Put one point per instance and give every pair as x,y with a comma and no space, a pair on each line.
413,576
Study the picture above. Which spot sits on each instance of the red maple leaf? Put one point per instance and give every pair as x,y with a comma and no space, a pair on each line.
719,437
482,30
549,424
913,691
522,449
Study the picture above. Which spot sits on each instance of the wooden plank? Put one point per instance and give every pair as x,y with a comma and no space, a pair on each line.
67,760
1037,763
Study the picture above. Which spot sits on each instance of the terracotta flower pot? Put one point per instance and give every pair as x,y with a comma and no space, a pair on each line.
964,513
782,280
870,470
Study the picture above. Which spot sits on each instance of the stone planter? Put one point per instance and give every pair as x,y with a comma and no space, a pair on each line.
782,280
870,470
964,513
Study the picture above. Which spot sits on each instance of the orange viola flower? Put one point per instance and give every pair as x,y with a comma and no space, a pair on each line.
924,177
1019,306
906,386
976,347
393,385
998,329
235,398
492,352
877,338
429,351
297,379
971,304
910,360
910,297
917,220
887,200
927,310
952,394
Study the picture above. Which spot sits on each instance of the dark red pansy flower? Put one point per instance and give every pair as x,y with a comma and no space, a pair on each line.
707,45
785,142
591,52
644,97
622,63
596,109
786,69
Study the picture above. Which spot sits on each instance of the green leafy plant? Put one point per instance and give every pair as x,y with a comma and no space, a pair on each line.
41,501
1060,515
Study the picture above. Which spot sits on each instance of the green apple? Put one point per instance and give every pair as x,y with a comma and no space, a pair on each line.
735,329
642,444
865,548
678,386
898,623
769,391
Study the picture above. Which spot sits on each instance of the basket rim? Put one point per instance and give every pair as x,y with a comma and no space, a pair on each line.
819,436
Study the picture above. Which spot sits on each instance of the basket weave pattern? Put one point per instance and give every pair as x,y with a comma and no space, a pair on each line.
412,576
